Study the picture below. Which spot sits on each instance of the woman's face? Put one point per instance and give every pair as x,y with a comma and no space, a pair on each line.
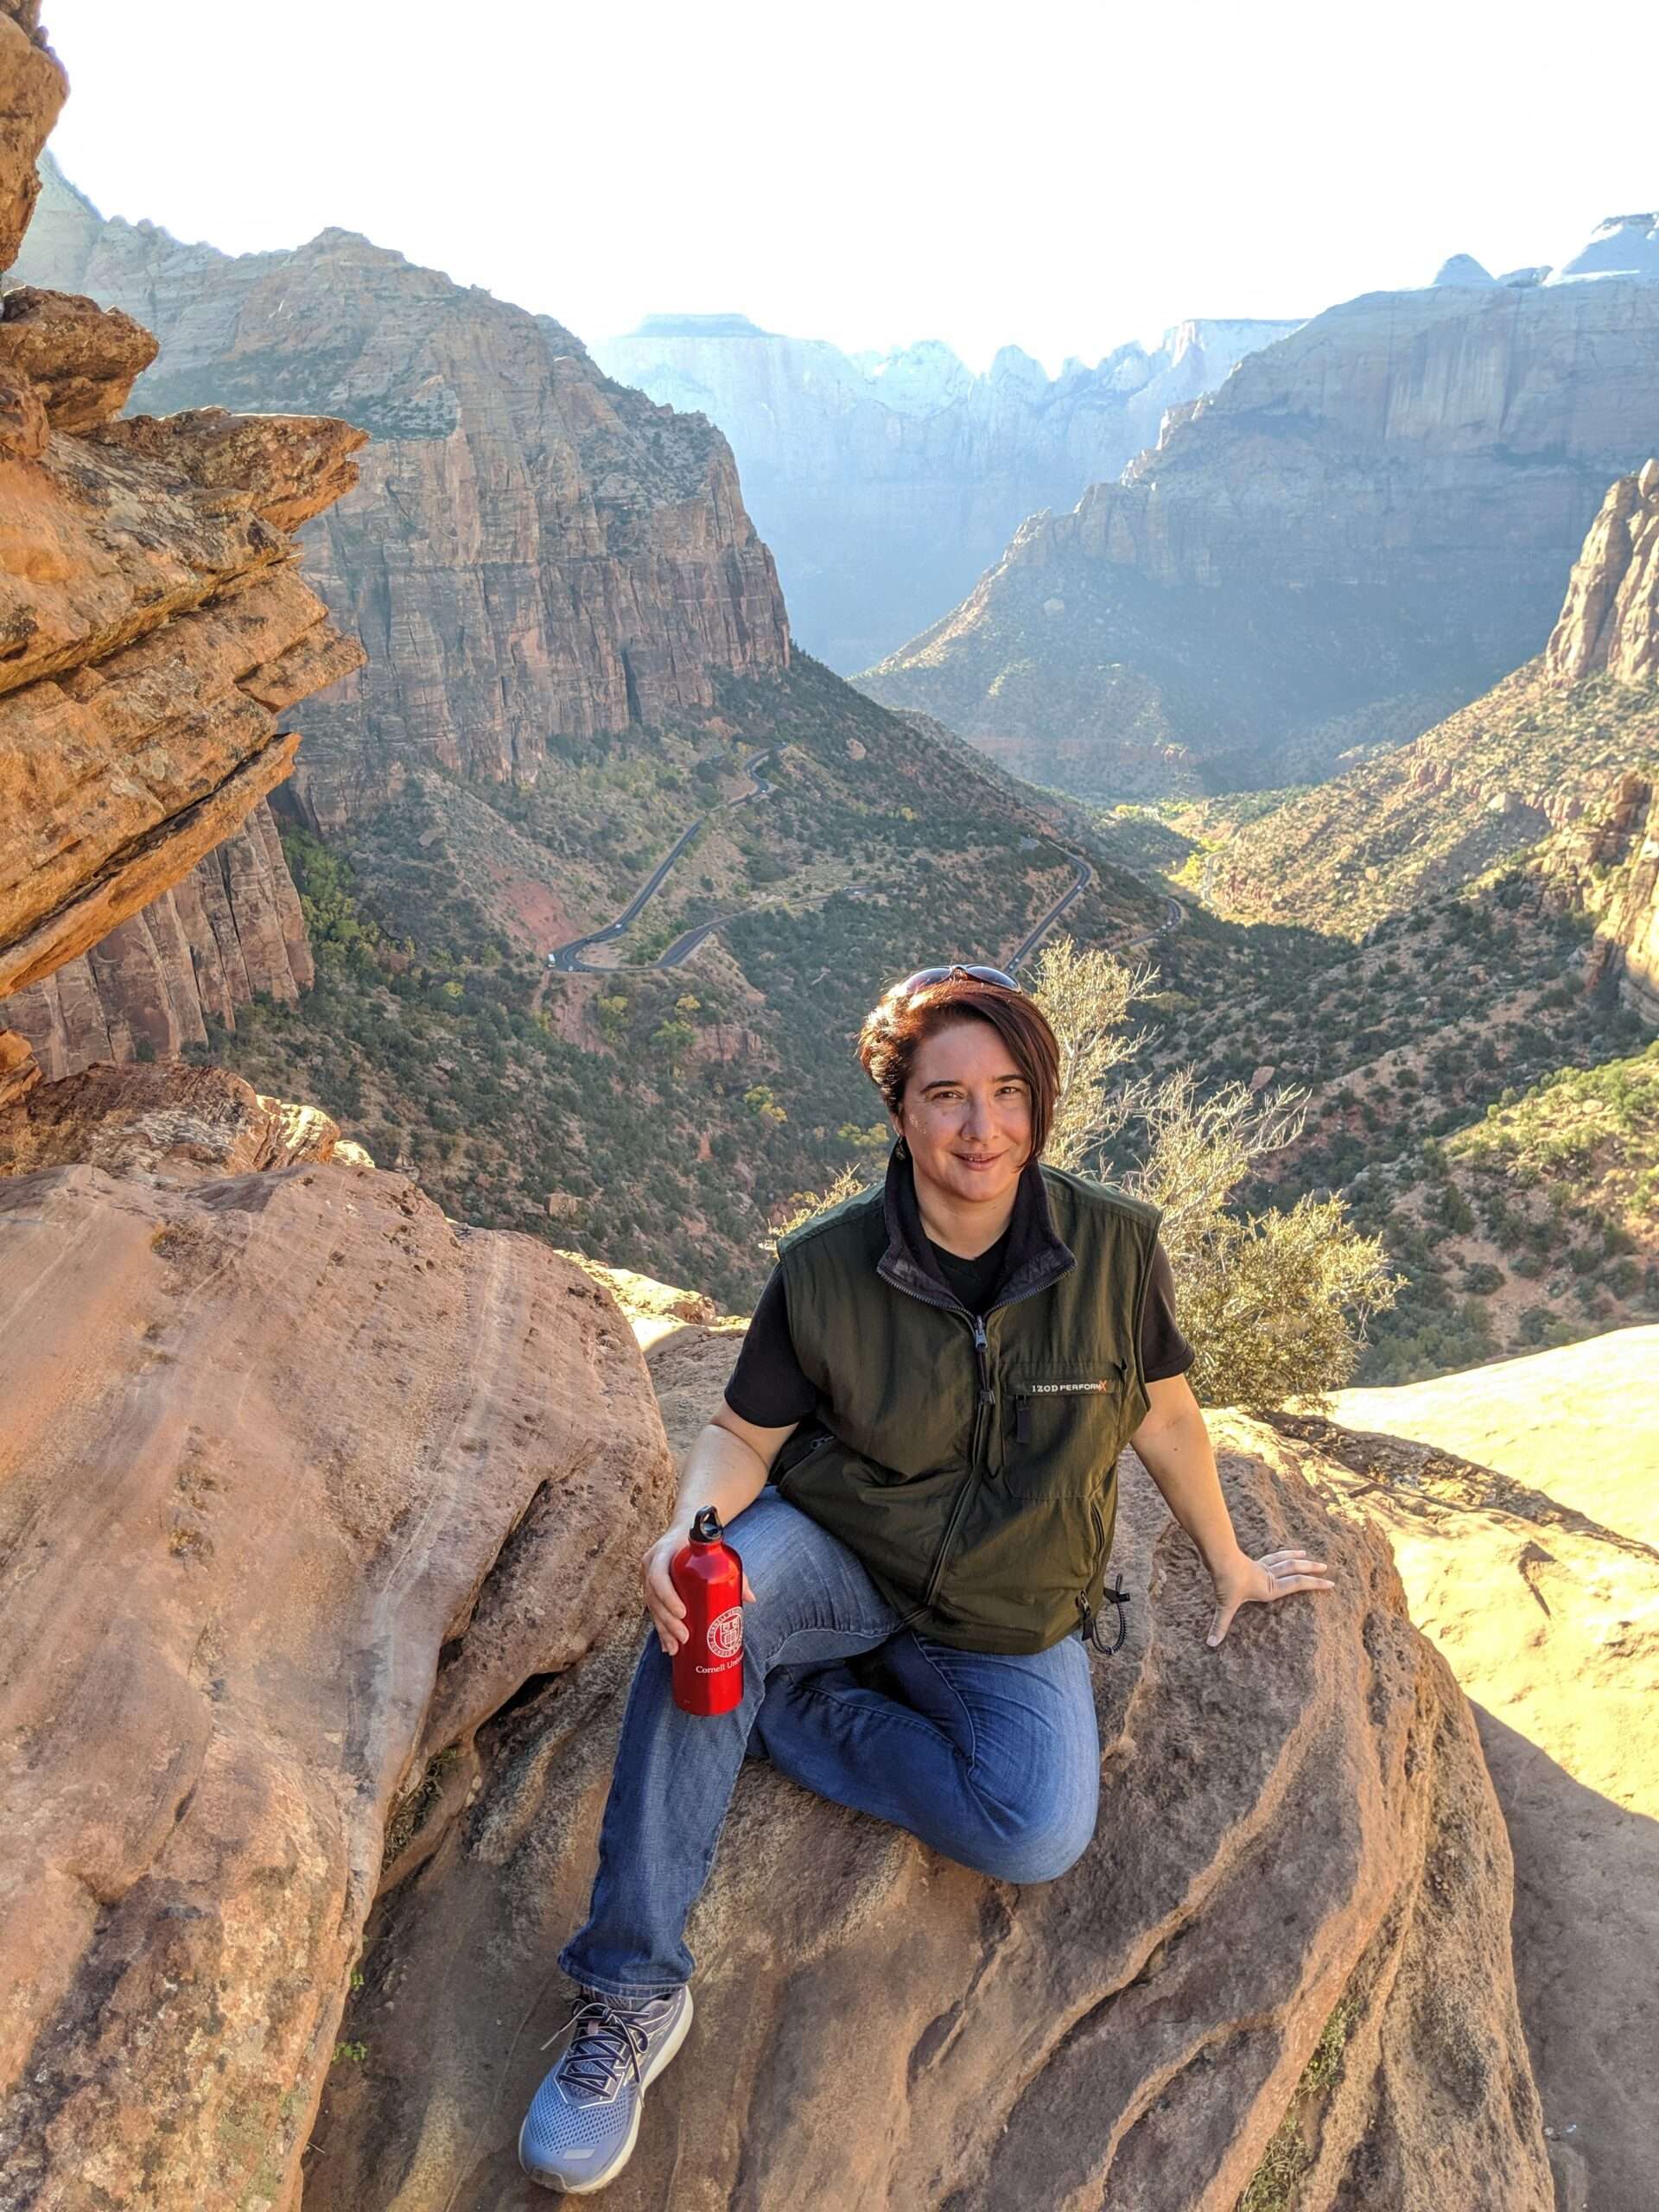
966,1113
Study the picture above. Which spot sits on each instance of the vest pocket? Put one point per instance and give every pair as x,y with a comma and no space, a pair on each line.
1059,1423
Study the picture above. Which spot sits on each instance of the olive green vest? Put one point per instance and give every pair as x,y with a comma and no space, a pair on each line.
969,1460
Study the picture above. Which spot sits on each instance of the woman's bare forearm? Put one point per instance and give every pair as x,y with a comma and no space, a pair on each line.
1179,1456
720,1469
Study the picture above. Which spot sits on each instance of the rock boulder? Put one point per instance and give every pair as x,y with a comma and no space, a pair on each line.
299,1484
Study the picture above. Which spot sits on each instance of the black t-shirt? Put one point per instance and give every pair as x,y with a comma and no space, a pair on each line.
768,1388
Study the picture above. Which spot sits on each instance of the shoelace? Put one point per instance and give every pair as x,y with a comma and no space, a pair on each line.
598,2050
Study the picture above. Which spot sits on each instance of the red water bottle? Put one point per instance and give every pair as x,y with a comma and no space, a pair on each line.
708,1576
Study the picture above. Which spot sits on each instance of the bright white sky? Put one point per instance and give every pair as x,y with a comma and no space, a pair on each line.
1063,175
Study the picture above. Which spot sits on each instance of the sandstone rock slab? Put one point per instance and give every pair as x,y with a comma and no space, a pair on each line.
288,1462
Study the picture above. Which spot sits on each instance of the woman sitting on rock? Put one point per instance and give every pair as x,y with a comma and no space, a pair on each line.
917,1450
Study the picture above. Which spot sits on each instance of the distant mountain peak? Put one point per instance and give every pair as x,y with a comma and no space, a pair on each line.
1623,246
1463,268
698,325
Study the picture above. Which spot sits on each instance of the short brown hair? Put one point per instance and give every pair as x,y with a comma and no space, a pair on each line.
894,1028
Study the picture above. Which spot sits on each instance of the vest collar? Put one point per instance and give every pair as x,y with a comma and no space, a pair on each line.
1037,1256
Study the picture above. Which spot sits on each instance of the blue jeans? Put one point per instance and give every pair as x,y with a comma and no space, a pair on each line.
992,1759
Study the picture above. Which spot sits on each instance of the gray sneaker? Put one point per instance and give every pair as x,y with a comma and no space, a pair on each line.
579,2130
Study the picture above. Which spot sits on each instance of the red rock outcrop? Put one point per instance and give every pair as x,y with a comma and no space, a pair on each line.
153,630
1298,1852
1368,524
286,1460
229,931
173,1121
34,79
138,603
532,549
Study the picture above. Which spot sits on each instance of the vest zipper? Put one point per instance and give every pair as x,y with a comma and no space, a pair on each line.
987,1399
986,1403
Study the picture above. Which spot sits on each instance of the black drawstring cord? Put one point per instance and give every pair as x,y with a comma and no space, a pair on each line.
1118,1596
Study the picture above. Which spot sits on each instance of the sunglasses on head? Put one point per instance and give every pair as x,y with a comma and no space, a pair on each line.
924,976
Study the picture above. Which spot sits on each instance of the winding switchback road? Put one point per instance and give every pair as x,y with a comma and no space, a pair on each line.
567,958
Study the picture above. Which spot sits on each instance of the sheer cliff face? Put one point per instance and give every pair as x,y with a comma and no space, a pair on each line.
885,484
231,928
1369,522
532,549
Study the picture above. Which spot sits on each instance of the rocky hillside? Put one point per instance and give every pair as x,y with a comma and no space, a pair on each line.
1368,524
1549,748
531,550
1414,1047
884,483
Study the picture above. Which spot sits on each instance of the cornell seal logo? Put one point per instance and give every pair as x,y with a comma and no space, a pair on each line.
725,1633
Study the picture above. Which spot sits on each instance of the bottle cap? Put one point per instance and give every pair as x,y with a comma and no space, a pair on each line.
705,1529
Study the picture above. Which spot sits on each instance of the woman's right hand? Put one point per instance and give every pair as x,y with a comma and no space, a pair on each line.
662,1601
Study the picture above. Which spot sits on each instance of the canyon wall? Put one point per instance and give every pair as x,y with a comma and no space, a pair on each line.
884,483
1369,523
228,932
533,550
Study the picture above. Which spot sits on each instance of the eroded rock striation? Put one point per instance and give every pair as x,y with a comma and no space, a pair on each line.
886,483
228,932
276,1540
160,628
1368,524
154,630
532,550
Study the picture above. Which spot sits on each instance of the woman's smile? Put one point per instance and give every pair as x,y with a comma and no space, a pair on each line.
967,1126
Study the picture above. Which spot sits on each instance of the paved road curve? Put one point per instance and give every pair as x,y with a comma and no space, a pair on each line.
567,957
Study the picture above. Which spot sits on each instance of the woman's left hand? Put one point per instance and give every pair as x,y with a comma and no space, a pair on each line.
1262,1582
